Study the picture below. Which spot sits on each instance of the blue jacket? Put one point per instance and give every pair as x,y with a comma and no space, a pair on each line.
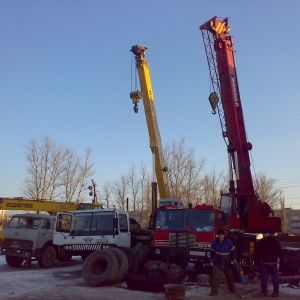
222,253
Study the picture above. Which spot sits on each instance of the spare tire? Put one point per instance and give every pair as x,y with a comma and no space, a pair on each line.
100,268
132,260
123,264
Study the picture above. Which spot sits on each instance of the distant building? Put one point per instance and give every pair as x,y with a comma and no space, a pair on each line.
292,219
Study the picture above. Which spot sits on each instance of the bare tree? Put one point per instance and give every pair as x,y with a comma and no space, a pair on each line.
184,173
214,183
106,193
145,204
133,186
265,187
75,175
120,191
45,163
55,172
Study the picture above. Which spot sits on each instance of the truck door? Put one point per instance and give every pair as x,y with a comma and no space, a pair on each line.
123,237
45,232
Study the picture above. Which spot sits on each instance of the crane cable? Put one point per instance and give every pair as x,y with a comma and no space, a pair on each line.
133,77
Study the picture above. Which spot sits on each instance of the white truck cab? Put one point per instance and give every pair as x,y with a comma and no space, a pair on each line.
84,231
28,236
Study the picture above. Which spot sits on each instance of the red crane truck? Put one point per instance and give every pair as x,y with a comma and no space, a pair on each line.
241,212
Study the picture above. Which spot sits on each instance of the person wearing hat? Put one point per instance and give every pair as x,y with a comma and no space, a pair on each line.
222,252
267,252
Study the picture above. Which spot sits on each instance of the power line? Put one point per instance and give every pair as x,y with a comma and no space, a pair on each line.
288,186
288,178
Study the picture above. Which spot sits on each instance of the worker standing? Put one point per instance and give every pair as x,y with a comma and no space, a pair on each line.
267,252
222,252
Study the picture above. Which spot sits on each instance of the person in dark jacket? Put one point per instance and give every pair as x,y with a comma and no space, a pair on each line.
266,255
222,252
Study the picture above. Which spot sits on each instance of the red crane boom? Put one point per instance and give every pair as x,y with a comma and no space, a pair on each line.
246,211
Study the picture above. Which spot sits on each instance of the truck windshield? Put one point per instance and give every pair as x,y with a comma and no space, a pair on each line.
185,220
170,219
24,222
96,223
200,220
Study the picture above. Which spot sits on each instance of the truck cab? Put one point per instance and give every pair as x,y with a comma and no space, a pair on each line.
185,234
84,231
28,236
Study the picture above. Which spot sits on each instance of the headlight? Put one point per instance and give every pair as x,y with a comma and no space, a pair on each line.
157,251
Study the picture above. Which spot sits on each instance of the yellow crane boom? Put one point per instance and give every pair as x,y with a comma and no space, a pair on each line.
52,207
146,94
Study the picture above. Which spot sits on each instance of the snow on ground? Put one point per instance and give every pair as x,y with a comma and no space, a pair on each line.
64,281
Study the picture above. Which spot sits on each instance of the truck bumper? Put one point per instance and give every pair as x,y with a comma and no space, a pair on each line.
174,254
17,252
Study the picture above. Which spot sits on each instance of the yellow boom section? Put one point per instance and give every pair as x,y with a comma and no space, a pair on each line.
148,100
52,207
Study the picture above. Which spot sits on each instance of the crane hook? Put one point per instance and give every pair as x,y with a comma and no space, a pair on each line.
213,100
135,108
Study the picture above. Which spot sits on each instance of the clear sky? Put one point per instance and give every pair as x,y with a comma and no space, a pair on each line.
65,72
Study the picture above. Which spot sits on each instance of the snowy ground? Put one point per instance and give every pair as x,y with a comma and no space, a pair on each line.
64,281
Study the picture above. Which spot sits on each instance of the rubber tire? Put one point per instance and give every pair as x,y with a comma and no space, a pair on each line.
100,268
48,257
64,258
123,263
132,260
14,261
140,251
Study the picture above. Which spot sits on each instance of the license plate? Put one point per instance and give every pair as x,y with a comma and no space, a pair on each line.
197,253
101,241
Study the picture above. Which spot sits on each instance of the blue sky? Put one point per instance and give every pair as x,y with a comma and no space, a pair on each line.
65,72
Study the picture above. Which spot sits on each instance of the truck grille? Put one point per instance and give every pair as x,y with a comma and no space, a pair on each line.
182,240
86,247
17,244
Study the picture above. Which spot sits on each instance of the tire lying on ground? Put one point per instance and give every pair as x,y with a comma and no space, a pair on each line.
132,260
140,251
100,268
123,263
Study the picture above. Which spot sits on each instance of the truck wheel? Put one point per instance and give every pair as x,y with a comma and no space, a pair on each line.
48,257
64,258
132,260
100,268
14,261
123,263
